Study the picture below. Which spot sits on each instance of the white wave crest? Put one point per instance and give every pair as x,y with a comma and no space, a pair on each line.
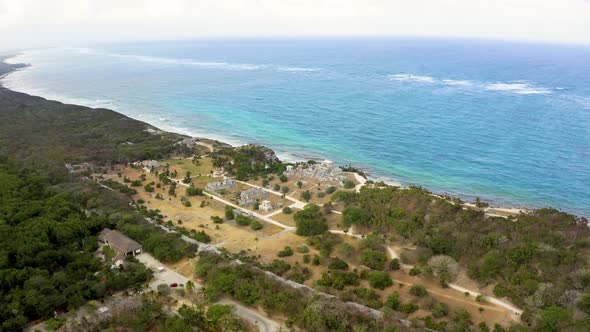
458,82
193,62
517,87
296,69
189,62
521,88
412,78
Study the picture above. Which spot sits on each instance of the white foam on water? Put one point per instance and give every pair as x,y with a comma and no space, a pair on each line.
296,69
516,87
412,78
458,82
521,88
193,62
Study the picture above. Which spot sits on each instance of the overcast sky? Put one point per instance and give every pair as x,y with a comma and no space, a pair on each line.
71,22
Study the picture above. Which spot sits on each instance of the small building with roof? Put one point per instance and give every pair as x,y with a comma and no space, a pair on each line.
124,245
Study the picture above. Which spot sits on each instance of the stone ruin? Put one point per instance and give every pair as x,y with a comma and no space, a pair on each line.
324,171
217,186
250,196
265,206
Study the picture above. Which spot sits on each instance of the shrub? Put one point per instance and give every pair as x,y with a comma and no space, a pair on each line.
415,271
348,184
276,187
243,220
501,290
201,236
283,178
440,310
330,190
409,308
229,212
55,323
306,195
217,220
337,264
380,280
287,210
284,189
418,291
393,301
278,267
394,264
287,251
584,304
444,267
303,249
373,259
256,225
316,260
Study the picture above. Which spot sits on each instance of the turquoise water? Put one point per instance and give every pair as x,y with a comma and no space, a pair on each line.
504,121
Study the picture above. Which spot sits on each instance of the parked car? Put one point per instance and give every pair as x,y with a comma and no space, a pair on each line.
173,285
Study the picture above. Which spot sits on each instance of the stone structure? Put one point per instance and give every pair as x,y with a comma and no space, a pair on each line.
250,196
216,186
324,171
265,206
148,164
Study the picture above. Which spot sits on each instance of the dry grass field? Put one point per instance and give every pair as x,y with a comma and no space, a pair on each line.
268,241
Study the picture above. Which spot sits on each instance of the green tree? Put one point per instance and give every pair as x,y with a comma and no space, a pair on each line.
355,216
418,291
554,318
306,195
392,301
584,304
380,280
310,221
373,259
229,212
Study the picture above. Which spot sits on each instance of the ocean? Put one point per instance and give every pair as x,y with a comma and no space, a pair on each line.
508,122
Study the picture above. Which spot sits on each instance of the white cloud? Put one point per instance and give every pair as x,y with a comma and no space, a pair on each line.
25,22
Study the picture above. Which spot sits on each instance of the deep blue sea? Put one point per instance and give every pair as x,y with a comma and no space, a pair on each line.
507,122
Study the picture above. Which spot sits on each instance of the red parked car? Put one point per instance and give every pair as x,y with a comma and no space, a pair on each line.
173,285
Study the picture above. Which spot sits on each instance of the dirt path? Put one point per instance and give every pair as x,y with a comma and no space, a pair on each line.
226,202
169,276
207,145
517,312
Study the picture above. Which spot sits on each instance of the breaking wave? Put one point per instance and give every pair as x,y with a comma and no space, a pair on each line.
412,78
516,87
193,62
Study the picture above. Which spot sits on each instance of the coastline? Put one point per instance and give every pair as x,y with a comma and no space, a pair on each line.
501,209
